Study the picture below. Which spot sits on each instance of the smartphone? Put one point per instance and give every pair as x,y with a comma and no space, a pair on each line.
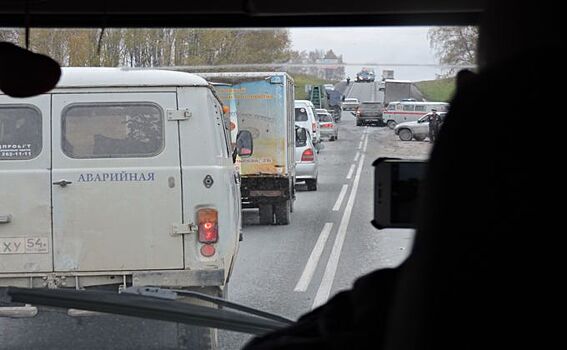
397,185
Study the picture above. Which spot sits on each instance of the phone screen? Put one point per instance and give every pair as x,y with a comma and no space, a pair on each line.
405,181
396,192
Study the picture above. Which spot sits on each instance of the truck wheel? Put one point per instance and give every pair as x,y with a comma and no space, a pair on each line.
266,214
358,123
193,337
311,185
391,124
405,135
282,212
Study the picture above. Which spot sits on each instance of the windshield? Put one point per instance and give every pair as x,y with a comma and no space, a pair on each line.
130,176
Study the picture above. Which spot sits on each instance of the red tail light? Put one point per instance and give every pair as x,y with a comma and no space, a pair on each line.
327,125
208,225
308,155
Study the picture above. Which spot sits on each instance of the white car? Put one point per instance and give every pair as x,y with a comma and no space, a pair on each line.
128,174
417,130
306,161
350,104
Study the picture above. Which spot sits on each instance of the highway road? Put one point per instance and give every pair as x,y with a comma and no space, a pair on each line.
287,270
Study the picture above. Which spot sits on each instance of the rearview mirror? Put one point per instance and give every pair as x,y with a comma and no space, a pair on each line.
244,143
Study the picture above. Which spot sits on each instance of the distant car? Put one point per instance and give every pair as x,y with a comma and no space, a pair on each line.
329,87
369,113
350,104
327,127
365,76
306,162
417,130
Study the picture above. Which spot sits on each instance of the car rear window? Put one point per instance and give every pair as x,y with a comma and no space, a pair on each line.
112,130
325,118
301,115
20,133
371,106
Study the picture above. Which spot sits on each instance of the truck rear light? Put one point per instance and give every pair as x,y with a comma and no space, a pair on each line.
308,155
208,225
208,250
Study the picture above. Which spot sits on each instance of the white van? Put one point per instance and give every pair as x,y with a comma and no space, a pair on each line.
305,117
407,111
121,178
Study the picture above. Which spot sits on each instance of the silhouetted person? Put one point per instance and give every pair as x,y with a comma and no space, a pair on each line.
485,270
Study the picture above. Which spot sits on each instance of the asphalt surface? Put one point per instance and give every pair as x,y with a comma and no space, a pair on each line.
273,259
287,270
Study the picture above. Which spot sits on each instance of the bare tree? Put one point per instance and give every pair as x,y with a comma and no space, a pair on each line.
454,45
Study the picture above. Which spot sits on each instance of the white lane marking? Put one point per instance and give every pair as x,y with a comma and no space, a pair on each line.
313,260
329,276
356,156
350,171
339,201
362,136
365,143
359,145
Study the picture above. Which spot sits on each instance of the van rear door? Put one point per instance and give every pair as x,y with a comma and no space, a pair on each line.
116,182
25,199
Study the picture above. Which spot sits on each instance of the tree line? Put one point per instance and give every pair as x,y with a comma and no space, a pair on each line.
156,47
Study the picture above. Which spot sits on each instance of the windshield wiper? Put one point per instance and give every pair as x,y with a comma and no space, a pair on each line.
152,303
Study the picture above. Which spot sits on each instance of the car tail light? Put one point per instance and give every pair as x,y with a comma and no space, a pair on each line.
208,225
327,125
308,155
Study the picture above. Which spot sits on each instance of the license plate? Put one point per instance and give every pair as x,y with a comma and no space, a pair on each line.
24,245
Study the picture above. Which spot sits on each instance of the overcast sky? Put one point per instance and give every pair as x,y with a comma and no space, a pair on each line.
407,45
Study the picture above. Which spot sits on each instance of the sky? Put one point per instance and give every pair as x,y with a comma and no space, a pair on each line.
385,45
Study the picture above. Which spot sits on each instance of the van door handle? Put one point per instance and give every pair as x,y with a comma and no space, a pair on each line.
62,183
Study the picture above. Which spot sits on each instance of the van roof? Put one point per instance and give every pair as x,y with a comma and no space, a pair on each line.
82,77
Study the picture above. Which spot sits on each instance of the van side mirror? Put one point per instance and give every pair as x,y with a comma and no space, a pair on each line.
244,144
300,136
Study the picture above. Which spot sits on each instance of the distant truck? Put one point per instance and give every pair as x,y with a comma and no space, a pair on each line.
264,103
330,99
387,74
397,90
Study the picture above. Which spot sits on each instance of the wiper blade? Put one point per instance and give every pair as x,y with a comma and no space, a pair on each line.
172,294
143,306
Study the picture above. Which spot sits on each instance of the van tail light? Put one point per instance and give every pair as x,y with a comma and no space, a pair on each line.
314,127
208,225
308,155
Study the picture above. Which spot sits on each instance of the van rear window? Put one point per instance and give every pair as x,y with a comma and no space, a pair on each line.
112,130
301,115
20,133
